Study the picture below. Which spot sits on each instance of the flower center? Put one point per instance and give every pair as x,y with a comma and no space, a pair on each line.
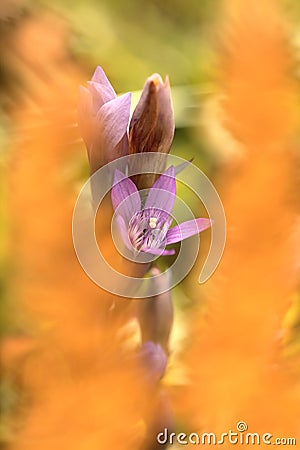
148,229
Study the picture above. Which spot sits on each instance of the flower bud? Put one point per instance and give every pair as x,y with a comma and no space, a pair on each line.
151,127
103,119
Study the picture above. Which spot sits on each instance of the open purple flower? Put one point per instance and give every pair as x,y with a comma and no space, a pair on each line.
146,228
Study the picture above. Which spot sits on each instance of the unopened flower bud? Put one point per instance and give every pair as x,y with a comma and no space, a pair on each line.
151,127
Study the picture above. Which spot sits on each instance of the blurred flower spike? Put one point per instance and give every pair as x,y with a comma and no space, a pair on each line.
103,120
154,360
147,229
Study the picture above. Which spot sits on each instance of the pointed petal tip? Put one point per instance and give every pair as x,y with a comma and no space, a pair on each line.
122,101
206,223
170,171
100,77
118,176
98,74
182,166
203,223
126,98
169,252
167,81
187,229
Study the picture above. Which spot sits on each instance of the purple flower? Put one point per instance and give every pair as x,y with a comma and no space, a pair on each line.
147,228
103,120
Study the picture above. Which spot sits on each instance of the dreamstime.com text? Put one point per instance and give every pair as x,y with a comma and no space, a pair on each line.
239,436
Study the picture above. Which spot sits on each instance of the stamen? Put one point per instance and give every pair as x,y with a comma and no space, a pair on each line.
152,222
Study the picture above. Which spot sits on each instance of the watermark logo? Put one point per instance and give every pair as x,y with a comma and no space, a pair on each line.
239,436
89,252
241,426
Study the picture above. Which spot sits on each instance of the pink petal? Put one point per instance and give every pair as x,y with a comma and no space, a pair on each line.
187,229
163,192
125,197
113,120
182,166
100,77
101,94
159,251
123,230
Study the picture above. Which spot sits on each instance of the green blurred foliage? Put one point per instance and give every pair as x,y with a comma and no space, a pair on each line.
135,38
